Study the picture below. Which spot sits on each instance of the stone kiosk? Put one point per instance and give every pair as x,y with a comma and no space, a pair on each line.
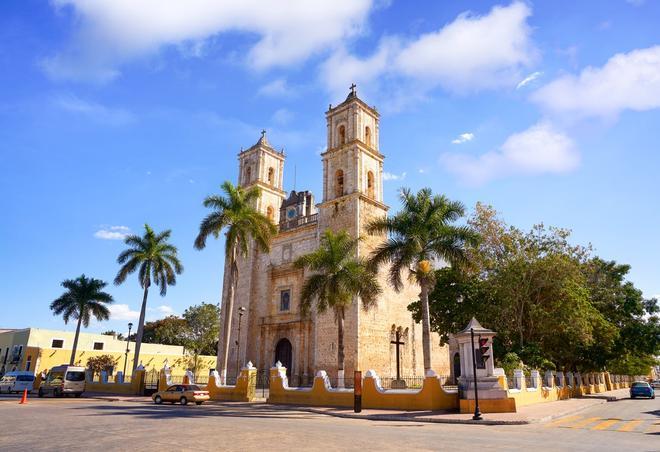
493,396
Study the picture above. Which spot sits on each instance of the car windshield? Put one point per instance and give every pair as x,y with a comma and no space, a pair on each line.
25,378
639,384
75,376
192,388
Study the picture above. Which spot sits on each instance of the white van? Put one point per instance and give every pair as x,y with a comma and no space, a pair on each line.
17,381
64,380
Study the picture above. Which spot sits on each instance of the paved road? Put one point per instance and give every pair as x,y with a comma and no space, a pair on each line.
83,424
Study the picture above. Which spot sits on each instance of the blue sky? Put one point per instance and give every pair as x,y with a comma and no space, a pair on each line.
115,113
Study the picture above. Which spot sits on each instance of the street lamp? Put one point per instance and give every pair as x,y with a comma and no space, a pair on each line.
128,338
241,310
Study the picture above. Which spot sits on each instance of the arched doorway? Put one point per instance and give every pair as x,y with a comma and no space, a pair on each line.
284,354
457,366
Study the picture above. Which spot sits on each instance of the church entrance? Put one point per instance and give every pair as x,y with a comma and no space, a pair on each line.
284,354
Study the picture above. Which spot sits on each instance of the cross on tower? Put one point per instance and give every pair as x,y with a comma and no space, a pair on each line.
353,86
263,132
397,341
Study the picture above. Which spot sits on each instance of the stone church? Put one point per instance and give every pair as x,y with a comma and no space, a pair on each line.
271,326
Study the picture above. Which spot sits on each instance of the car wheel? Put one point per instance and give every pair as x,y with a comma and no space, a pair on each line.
40,393
198,403
77,394
158,400
183,400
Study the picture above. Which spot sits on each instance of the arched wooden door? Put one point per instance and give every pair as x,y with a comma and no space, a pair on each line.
284,354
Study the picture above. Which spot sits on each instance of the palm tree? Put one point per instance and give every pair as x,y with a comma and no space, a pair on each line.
421,233
156,260
338,277
84,298
235,213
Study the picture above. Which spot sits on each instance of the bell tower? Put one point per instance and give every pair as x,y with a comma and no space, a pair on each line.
352,167
261,165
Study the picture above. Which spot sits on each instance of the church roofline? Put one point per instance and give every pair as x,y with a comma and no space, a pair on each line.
352,97
263,144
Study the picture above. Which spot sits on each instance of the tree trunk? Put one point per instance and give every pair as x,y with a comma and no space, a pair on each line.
140,331
426,327
227,312
340,347
75,341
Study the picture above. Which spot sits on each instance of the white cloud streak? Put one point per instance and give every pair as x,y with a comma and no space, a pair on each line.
462,138
628,81
112,232
391,176
95,111
537,150
122,312
529,79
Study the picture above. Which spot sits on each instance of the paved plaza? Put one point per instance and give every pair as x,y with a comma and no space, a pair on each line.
105,424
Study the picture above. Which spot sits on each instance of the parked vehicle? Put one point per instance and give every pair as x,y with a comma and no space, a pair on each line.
17,381
641,389
64,380
182,394
655,384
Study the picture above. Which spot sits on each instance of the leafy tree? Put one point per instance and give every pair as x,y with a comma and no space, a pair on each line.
84,298
420,234
114,334
170,330
338,277
236,214
156,260
99,363
201,333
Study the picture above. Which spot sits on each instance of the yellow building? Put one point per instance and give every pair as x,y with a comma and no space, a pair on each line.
36,349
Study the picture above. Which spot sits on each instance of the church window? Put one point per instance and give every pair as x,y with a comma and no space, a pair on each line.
370,184
367,136
269,213
271,175
248,175
342,135
339,180
285,300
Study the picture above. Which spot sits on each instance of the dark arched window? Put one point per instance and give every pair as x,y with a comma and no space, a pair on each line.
342,135
370,184
248,175
339,183
271,175
367,136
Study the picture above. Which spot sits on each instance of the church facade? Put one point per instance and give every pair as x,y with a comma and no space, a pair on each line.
271,326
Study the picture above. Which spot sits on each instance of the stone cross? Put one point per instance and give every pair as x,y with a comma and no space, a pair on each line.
397,341
263,132
353,86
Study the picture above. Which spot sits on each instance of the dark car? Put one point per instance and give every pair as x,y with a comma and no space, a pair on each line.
641,389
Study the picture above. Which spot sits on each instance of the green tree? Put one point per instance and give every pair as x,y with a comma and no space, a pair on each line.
156,261
170,330
236,214
338,277
419,235
201,333
114,334
84,298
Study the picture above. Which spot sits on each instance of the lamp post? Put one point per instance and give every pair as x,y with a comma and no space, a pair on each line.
128,338
241,310
477,413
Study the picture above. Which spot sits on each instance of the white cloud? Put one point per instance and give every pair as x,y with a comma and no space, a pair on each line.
97,112
537,150
159,312
471,53
628,81
391,176
462,138
529,79
112,232
122,312
112,32
276,88
636,2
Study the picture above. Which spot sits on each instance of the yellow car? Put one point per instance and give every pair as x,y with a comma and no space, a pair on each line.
182,394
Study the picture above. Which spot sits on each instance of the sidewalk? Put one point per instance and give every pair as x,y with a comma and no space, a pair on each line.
530,414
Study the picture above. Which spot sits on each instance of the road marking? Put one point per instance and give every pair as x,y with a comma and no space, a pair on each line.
605,424
629,426
562,420
584,422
